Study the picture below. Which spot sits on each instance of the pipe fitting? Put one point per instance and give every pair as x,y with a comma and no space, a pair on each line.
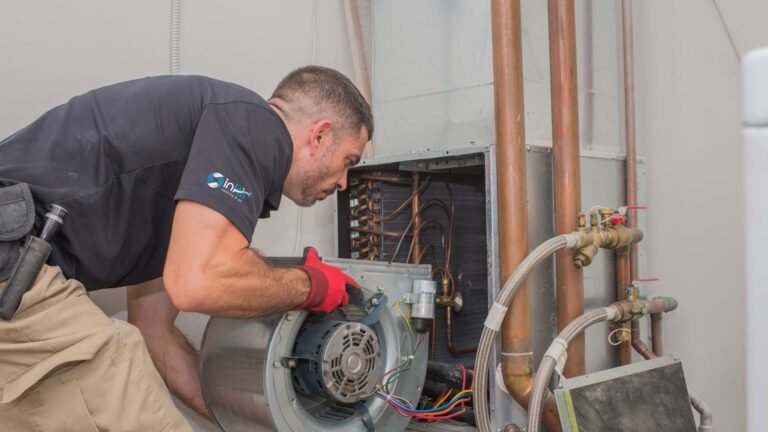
630,309
517,370
617,236
586,253
662,304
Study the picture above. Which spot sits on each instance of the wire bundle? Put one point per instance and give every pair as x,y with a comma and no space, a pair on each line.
441,410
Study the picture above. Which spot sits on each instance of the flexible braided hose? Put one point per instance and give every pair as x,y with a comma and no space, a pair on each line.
496,316
548,363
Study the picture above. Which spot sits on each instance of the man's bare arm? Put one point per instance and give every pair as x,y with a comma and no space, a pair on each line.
211,269
150,309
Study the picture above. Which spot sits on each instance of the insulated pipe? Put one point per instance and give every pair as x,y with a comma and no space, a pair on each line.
517,353
566,152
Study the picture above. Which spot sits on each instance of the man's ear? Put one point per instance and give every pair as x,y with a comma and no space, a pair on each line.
320,135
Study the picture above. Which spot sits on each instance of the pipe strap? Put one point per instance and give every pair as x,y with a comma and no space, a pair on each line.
558,351
495,316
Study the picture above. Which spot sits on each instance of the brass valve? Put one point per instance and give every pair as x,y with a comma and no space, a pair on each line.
606,233
633,308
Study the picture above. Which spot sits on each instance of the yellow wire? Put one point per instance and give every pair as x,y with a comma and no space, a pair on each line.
444,398
407,323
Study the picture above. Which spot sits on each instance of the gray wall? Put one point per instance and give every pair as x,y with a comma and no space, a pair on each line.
688,130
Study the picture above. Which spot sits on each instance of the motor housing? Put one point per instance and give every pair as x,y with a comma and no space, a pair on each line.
301,371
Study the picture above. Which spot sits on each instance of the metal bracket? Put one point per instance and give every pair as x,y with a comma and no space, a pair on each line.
378,303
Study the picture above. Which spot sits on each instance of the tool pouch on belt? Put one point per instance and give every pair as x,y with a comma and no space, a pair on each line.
17,216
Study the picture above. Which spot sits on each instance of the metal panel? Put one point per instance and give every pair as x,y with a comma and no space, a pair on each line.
433,82
602,184
650,396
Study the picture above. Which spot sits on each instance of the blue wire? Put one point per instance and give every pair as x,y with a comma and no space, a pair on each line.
422,411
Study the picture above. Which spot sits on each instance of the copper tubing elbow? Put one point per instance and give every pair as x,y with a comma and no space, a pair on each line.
517,371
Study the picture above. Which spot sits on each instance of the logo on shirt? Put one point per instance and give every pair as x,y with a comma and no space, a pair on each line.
218,181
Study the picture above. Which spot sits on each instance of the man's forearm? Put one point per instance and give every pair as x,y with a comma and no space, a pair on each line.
247,286
177,362
210,268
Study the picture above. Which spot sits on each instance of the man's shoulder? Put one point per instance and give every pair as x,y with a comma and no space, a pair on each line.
178,87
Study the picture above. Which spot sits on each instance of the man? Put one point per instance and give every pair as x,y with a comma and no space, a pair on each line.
163,176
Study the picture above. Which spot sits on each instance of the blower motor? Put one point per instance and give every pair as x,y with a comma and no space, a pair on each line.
302,371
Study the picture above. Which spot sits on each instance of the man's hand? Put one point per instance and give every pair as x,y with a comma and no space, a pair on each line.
328,284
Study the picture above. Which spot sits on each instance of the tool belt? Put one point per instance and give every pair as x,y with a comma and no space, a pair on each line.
17,217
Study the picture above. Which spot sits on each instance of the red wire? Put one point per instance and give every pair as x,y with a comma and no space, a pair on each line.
463,381
438,418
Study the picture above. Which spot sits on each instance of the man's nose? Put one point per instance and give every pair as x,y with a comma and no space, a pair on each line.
342,183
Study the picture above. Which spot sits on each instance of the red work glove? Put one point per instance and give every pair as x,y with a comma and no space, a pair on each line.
328,285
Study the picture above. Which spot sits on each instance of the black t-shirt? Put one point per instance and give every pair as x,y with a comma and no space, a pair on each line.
117,158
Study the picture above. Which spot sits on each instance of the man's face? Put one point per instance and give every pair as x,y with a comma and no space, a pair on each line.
327,171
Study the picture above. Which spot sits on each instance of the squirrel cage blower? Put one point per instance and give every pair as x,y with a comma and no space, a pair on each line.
302,371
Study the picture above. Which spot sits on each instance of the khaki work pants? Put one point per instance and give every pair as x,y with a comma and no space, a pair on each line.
65,366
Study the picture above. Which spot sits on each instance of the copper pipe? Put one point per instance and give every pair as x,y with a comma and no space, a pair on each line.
377,232
452,348
517,352
448,290
449,279
623,280
416,244
417,233
657,344
386,178
639,345
425,251
451,221
359,62
629,126
408,201
566,152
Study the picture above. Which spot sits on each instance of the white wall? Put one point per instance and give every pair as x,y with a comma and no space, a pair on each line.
52,51
688,129
689,123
